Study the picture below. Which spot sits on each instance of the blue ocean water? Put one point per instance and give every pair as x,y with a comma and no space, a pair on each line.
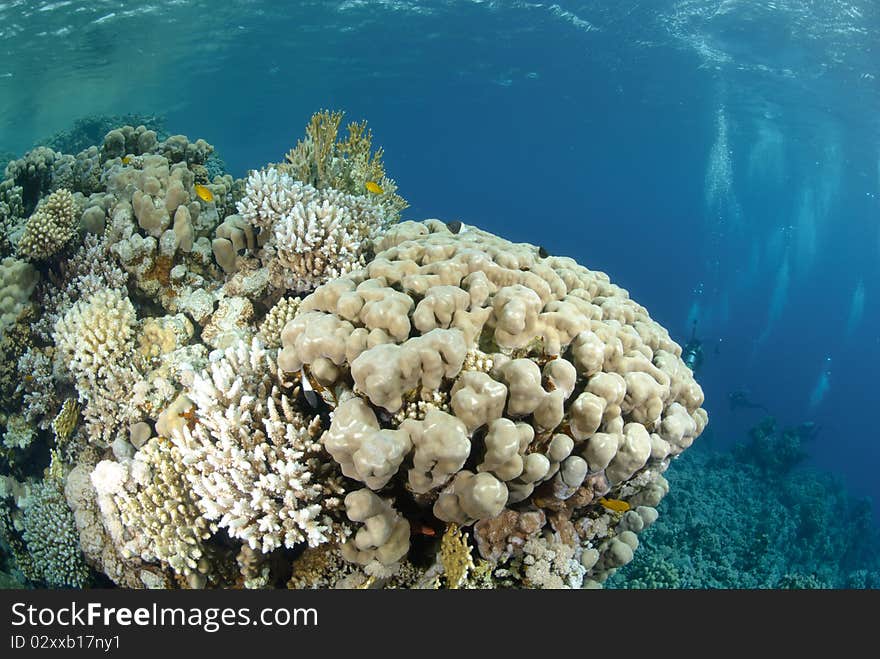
720,159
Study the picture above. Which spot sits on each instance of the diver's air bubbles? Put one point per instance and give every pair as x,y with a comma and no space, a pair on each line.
778,299
721,202
694,314
767,157
805,231
856,309
823,384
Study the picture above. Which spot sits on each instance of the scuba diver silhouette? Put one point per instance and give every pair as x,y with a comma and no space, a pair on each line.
741,400
692,354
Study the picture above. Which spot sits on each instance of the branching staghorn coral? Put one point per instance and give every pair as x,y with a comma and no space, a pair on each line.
254,461
312,235
37,387
19,433
160,517
279,315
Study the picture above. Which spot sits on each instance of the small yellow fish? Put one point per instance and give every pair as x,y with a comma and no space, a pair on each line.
204,193
373,187
617,505
126,160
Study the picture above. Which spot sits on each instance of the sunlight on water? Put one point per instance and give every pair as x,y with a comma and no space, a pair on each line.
788,36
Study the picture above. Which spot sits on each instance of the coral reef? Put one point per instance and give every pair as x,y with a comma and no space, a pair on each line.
87,131
17,282
251,383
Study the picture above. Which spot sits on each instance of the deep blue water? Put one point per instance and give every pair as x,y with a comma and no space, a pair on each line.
719,159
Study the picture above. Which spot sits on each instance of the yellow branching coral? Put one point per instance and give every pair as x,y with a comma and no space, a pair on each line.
309,160
55,470
455,554
323,160
65,422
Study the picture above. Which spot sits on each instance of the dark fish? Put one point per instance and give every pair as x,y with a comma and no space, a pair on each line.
309,393
454,226
543,253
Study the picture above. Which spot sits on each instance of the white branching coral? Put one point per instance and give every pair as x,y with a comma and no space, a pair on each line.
90,270
312,235
52,538
52,226
254,461
19,433
37,387
95,334
94,342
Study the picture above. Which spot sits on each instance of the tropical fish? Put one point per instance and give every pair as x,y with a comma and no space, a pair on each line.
126,160
308,390
617,505
373,187
204,193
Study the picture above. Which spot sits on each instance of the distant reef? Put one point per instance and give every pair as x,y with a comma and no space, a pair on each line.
755,518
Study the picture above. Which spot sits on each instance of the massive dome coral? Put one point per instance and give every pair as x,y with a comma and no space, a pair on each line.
475,383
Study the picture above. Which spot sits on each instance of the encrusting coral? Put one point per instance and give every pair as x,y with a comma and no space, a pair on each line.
278,382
